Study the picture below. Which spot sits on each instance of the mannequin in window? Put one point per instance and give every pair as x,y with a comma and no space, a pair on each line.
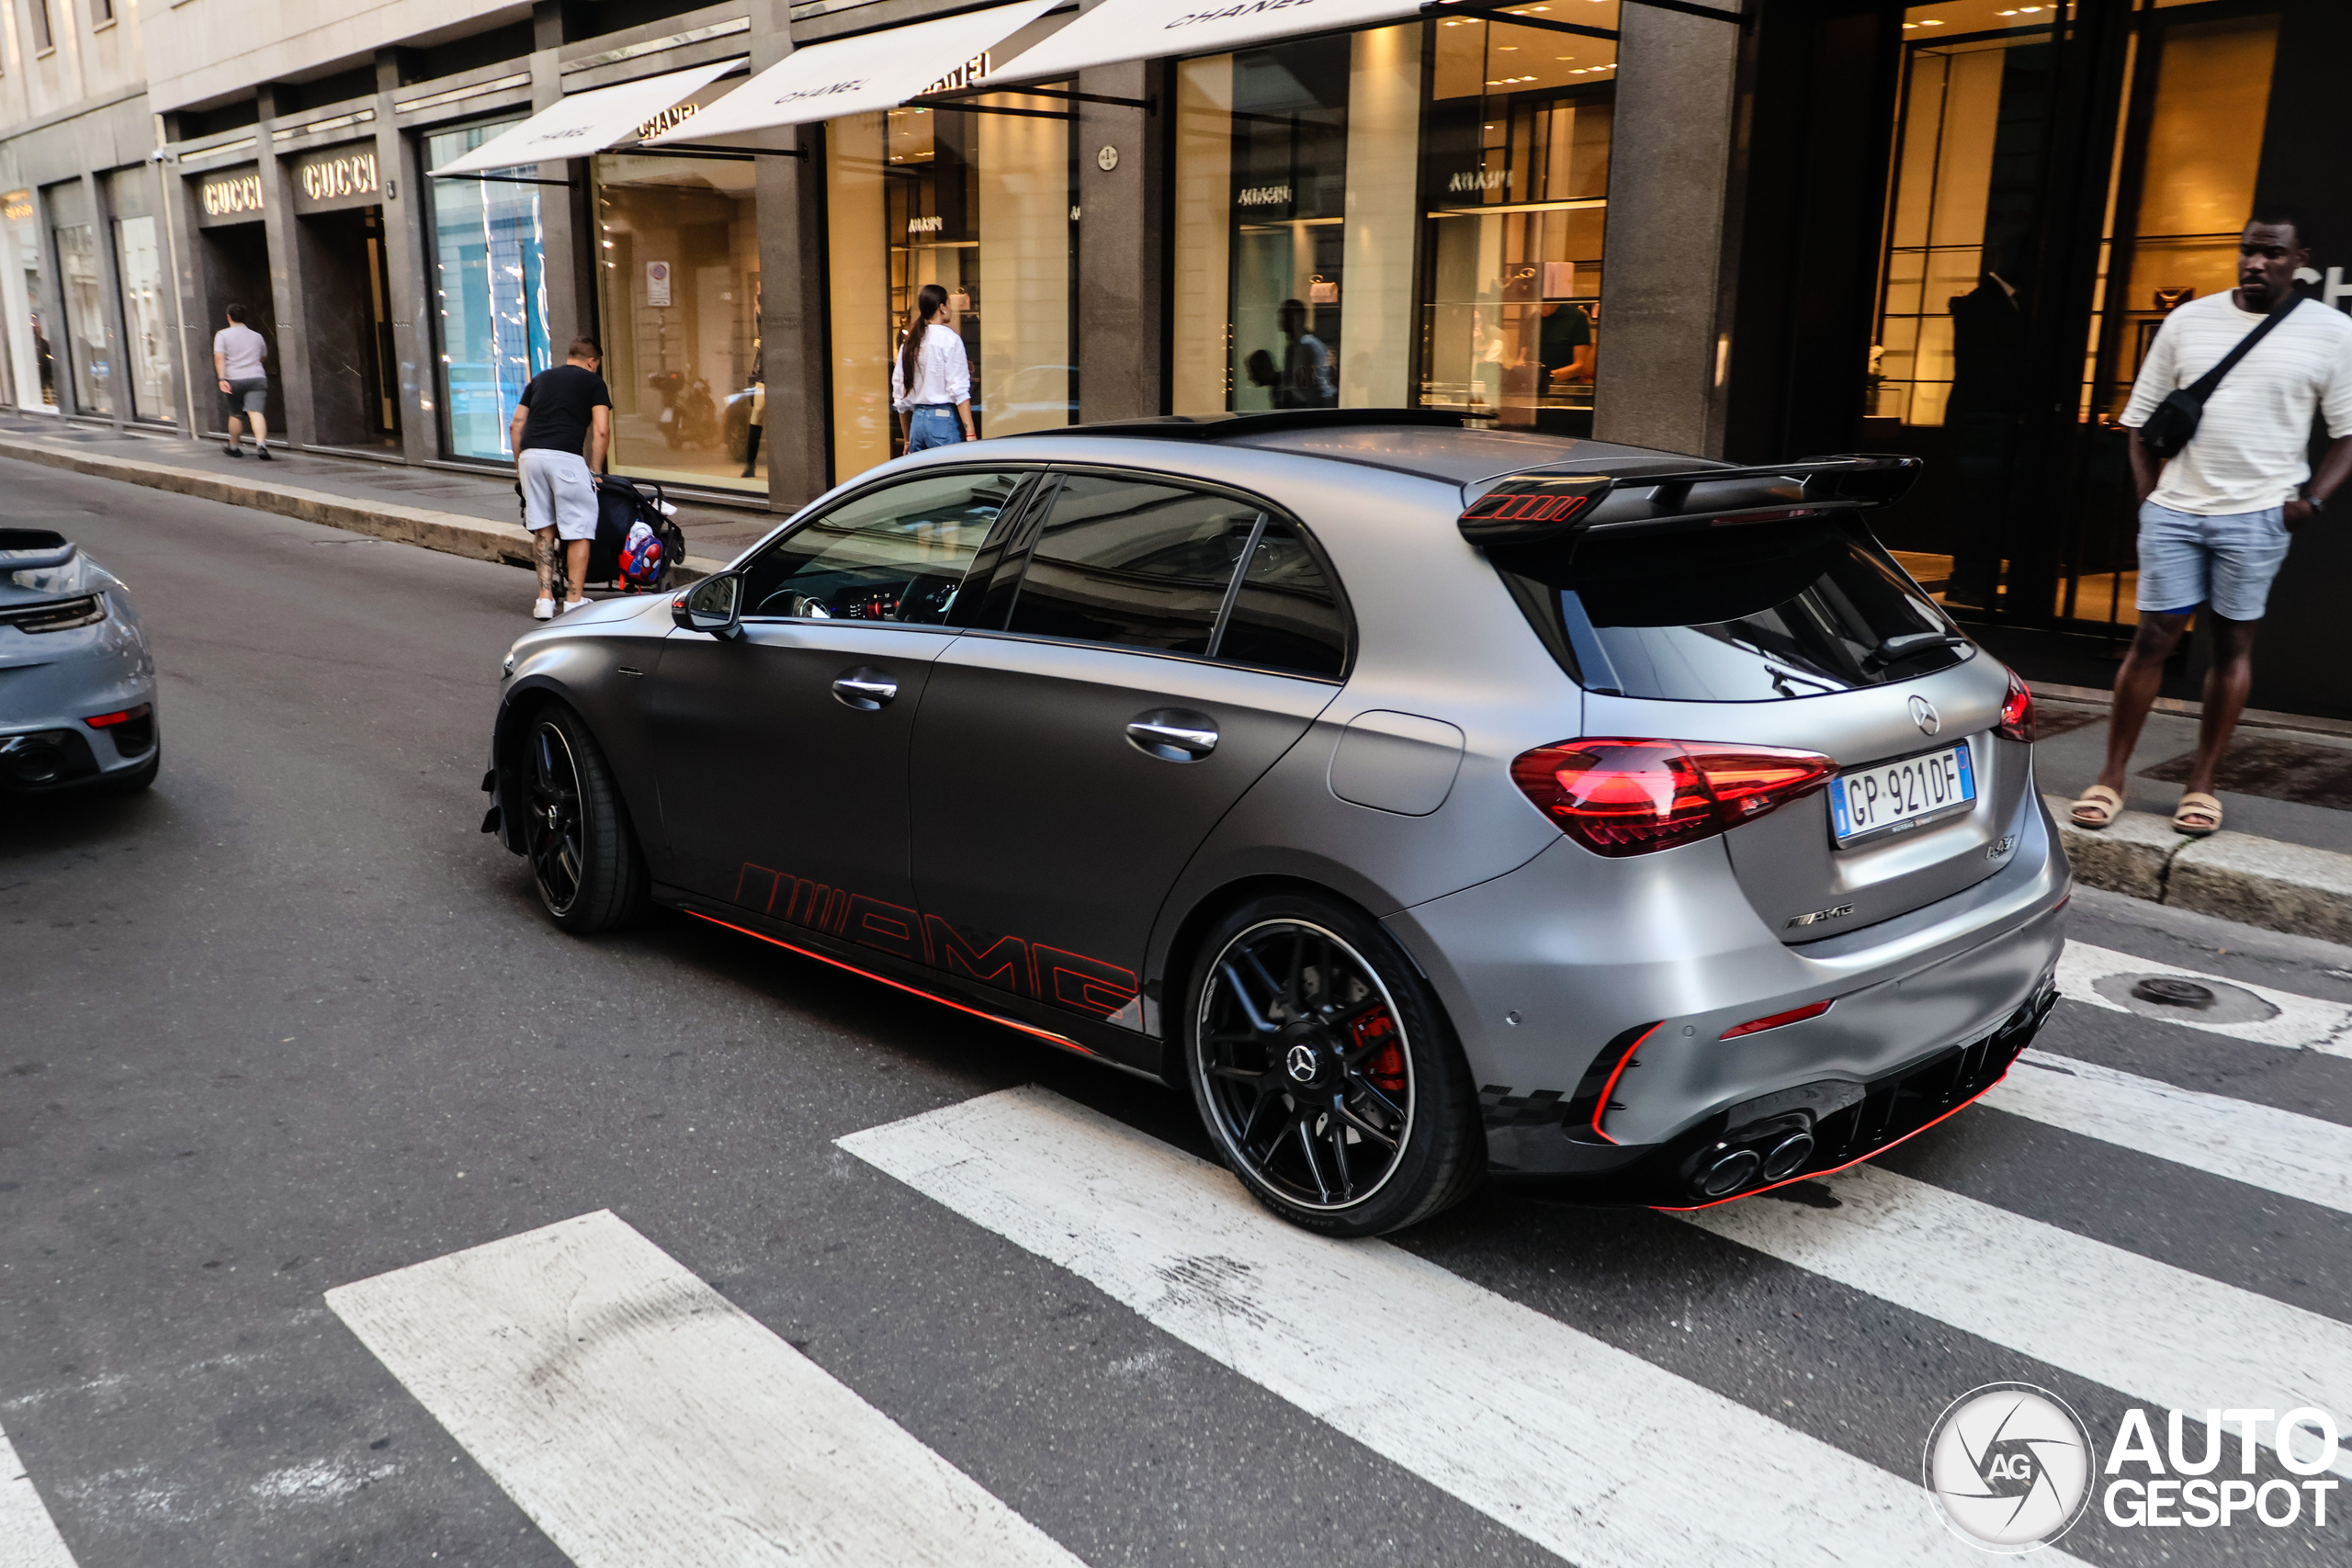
1987,381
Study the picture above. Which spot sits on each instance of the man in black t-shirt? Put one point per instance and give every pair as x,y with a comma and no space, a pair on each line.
563,410
1565,345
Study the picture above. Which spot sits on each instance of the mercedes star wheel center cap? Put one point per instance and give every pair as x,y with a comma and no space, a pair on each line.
1301,1063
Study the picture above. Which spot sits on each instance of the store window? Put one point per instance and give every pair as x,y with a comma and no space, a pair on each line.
1310,271
490,294
89,349
32,372
680,239
978,202
147,347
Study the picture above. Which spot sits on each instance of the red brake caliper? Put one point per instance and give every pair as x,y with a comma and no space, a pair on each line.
1385,1067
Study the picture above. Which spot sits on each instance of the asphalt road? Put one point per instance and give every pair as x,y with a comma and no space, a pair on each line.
287,1023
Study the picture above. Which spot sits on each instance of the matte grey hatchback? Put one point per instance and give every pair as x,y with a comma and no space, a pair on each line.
1432,801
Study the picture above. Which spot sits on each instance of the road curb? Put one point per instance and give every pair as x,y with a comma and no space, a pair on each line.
451,533
2256,882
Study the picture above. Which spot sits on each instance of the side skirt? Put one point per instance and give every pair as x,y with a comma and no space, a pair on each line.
1107,1044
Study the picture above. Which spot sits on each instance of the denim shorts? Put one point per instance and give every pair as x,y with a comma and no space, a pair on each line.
932,424
2227,561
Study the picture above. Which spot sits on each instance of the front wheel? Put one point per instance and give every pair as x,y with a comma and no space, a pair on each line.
584,856
1324,1071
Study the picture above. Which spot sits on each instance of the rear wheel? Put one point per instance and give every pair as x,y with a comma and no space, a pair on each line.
1326,1072
584,856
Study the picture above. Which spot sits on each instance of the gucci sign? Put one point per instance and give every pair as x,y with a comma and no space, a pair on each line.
239,193
345,173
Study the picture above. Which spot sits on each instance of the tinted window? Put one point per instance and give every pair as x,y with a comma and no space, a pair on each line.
1286,615
1123,560
1744,614
895,554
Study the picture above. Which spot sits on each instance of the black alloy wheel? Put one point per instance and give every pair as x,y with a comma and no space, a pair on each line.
1326,1073
584,857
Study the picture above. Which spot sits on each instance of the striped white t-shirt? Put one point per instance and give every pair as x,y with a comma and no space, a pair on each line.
2250,452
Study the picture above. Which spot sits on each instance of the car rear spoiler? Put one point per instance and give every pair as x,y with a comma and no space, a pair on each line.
1538,507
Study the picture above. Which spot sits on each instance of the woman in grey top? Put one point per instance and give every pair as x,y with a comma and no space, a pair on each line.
237,354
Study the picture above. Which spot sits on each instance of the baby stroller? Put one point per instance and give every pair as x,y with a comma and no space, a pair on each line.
638,545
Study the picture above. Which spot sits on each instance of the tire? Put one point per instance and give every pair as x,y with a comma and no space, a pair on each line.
1310,1040
584,859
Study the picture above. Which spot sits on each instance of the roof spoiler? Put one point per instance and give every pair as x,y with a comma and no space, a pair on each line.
1539,507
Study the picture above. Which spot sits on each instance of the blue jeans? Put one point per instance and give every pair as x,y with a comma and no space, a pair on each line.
2228,560
932,424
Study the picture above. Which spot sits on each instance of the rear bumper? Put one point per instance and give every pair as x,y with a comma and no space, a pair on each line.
1839,1123
1592,997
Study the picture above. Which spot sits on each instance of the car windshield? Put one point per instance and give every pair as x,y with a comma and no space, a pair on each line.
1756,614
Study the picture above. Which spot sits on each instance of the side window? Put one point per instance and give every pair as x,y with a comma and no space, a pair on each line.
895,554
1129,561
1286,615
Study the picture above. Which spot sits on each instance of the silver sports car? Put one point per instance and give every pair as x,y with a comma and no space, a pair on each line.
77,684
1433,803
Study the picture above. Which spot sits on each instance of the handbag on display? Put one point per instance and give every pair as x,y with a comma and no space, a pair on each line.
2175,421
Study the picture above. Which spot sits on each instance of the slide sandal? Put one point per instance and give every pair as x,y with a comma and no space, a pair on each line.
2197,816
2097,808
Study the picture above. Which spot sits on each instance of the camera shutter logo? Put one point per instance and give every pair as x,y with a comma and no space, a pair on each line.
2008,1466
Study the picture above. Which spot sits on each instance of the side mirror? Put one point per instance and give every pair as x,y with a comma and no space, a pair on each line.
714,605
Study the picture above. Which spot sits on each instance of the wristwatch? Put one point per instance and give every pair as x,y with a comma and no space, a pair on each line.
2317,504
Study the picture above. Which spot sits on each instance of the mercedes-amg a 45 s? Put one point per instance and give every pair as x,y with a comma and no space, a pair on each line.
1430,803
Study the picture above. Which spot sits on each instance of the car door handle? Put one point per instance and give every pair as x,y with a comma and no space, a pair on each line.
1173,736
865,690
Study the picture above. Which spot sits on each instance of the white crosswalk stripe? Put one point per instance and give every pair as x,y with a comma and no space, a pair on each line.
639,1417
2280,1151
2158,1333
2304,1024
28,1537
1590,1451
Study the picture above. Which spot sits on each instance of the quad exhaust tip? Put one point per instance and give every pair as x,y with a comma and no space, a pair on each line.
1742,1167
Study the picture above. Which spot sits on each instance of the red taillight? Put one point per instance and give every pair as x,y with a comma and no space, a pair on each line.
123,717
1759,1025
2017,712
1620,796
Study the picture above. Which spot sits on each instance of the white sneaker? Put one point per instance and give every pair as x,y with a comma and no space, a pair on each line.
544,610
570,604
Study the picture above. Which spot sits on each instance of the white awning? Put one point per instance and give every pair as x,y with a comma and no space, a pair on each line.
853,76
588,122
1119,30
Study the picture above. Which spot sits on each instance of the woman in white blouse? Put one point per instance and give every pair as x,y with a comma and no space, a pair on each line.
930,379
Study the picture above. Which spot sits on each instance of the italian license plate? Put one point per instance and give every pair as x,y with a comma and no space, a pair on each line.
1867,803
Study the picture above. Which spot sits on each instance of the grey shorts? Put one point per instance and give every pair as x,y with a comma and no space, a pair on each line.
244,397
2227,561
556,493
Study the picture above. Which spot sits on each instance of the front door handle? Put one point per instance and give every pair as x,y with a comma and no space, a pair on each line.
1173,735
864,689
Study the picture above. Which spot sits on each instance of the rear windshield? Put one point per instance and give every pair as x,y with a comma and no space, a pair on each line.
1757,614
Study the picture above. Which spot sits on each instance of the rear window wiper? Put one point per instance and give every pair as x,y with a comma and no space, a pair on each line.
1896,648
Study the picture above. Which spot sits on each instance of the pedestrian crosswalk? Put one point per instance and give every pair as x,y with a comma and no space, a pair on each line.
28,1537
637,1417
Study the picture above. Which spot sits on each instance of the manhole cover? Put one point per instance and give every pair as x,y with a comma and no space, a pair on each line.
2179,999
2173,991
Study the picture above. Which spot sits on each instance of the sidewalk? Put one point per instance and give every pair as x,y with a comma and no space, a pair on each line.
444,509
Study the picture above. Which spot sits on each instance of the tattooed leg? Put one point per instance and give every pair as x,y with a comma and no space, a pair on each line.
543,549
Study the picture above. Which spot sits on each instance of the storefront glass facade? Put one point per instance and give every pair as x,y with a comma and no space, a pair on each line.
138,262
978,203
680,239
90,348
32,372
489,297
1312,270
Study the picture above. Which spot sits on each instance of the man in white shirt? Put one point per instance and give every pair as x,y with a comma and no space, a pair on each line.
237,354
2214,519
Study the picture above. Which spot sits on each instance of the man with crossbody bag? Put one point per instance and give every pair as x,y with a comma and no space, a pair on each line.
2220,421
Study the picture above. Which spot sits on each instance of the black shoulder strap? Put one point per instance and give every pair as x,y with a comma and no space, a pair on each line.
2202,388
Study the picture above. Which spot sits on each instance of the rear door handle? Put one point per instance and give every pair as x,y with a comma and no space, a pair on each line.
864,689
1173,735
